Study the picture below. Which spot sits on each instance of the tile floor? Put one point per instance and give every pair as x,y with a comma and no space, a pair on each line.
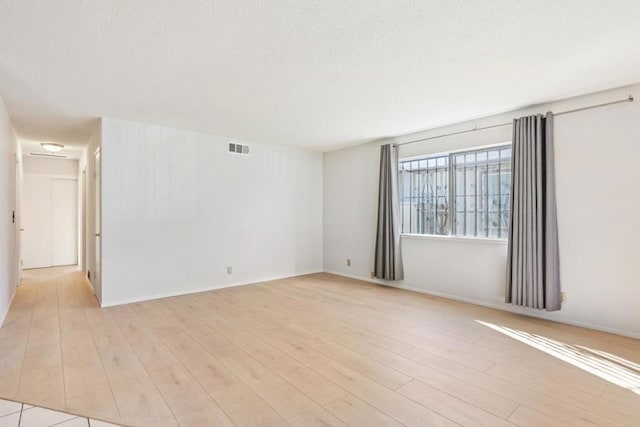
14,414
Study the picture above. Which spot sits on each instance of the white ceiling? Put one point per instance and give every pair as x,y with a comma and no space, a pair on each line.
315,74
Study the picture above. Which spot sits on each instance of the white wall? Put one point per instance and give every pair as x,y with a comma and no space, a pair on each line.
178,209
598,196
49,166
9,160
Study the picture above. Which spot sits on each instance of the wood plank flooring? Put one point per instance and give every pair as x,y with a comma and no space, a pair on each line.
308,351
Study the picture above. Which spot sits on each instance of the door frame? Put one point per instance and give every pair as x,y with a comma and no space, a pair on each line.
82,227
97,224
17,222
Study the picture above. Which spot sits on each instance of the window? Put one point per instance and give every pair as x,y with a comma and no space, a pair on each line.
462,194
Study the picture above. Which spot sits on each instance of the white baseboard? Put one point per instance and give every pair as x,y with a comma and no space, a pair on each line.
198,290
6,311
505,307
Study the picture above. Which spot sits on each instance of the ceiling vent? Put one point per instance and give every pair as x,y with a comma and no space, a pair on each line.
57,156
238,148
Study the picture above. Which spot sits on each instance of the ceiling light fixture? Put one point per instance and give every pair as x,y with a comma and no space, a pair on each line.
51,147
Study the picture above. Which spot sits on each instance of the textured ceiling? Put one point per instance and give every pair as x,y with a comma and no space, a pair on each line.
315,74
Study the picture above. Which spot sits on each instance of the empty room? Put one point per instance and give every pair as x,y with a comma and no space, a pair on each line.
319,213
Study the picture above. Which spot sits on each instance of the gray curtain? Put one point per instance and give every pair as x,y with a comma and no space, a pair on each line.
388,262
533,268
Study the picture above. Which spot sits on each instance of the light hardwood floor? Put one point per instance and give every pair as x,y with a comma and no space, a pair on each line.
307,351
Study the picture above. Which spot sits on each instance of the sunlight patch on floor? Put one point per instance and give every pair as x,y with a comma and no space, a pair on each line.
609,367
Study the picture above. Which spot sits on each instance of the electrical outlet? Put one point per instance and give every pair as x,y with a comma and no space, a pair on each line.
229,270
348,262
563,297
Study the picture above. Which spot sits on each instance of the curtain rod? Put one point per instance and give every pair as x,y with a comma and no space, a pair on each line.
628,99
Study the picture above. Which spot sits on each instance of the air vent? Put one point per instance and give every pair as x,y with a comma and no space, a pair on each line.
57,156
238,148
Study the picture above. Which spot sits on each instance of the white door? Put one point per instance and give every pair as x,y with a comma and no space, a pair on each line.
97,279
64,222
50,221
36,221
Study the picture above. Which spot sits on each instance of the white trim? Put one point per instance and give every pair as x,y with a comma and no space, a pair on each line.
505,307
198,290
454,238
4,316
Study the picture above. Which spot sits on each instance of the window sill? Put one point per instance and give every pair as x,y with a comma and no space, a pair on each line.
492,241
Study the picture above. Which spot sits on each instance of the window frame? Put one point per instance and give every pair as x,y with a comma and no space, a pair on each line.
451,194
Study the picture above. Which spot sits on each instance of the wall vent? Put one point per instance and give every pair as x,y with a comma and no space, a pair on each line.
238,148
